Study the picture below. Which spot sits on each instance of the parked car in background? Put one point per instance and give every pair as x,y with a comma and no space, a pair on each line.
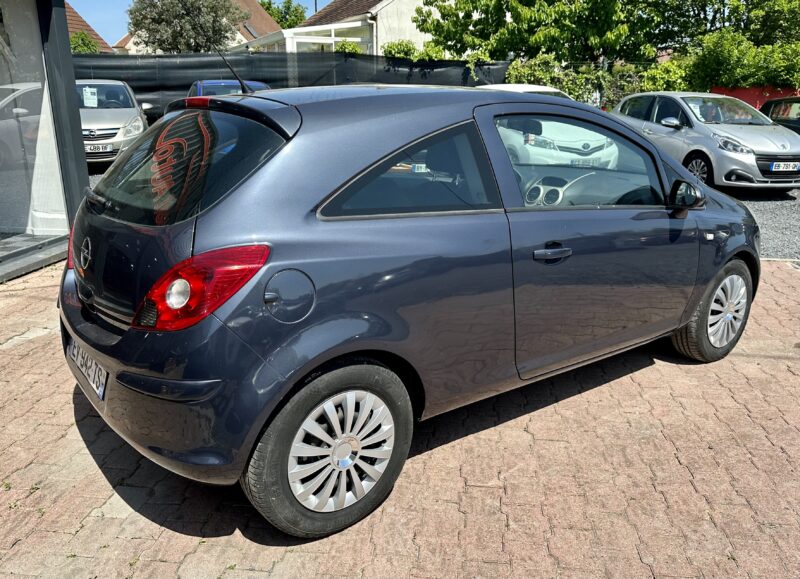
110,118
784,111
20,106
526,88
721,140
223,87
247,300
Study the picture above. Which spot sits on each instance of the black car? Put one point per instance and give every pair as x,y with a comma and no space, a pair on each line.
784,111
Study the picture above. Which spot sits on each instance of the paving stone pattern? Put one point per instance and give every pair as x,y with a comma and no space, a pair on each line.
639,466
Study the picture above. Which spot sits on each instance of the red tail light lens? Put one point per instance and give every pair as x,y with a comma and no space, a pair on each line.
195,287
70,263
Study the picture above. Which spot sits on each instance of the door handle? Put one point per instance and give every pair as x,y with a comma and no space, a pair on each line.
552,253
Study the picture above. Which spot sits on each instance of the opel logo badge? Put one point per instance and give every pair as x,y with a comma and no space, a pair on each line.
92,133
86,253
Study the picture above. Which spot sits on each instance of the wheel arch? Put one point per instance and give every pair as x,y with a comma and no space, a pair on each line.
752,263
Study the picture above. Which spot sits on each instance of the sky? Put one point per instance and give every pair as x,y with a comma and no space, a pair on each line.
110,19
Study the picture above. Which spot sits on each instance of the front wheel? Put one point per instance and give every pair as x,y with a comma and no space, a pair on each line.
333,453
720,317
700,166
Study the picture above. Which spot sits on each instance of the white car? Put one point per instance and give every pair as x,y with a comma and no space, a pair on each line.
20,105
553,143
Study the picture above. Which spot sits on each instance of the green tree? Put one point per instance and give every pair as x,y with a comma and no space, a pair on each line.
287,14
348,47
82,43
175,26
572,30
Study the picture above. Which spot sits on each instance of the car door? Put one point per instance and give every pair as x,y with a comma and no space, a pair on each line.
600,262
672,141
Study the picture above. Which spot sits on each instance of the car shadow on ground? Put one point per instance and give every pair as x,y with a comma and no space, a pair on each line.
205,511
760,194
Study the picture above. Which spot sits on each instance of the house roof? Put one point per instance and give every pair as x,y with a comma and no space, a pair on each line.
76,23
259,23
123,42
339,10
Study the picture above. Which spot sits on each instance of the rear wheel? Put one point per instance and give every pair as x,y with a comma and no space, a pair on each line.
720,317
332,454
700,166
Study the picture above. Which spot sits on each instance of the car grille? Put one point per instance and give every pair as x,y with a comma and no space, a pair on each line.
99,134
103,155
764,163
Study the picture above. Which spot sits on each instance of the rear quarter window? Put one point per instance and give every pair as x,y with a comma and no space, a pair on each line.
184,164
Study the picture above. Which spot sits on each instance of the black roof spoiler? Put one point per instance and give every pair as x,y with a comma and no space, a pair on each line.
283,118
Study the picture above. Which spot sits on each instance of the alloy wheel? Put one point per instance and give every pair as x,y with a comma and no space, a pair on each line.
340,451
727,311
698,168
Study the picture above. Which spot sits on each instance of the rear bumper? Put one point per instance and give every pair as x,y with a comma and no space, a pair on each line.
192,401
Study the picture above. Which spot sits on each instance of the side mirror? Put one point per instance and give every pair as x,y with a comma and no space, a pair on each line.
19,112
671,123
685,196
146,106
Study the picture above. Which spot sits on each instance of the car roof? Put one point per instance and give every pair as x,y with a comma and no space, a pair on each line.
99,81
679,94
794,98
229,82
377,96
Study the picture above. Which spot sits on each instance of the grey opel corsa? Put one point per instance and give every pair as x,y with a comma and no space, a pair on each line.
274,288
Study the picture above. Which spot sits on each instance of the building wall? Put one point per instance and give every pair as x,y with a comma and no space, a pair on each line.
394,23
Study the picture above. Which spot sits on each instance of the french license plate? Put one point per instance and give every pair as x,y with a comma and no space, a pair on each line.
785,166
94,373
98,148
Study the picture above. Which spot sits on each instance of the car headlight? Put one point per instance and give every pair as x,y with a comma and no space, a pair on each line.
133,128
732,145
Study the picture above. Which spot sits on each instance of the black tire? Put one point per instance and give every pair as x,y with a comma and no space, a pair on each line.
703,158
692,339
265,480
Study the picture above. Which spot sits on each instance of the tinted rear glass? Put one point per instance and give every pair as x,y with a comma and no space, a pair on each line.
184,164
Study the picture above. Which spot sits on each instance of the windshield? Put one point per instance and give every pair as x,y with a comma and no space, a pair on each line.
103,96
183,164
725,110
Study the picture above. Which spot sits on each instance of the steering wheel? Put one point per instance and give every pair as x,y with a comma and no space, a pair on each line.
113,105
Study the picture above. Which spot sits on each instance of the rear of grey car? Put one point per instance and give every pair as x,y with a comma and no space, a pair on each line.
272,288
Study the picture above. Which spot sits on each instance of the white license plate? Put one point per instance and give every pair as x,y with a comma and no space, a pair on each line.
94,373
99,148
785,166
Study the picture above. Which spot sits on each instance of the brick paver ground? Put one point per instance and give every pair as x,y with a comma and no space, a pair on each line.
642,465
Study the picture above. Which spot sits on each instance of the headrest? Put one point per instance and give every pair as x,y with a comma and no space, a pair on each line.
443,157
524,124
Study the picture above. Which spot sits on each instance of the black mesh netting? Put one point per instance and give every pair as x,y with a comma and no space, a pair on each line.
161,79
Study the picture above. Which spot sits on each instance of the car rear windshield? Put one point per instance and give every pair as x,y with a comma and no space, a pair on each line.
184,164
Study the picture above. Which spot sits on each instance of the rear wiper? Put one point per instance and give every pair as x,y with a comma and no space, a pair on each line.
93,197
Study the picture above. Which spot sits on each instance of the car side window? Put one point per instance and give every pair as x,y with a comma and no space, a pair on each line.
637,107
667,107
448,171
563,163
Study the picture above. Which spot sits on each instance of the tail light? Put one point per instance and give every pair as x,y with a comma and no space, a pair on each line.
195,287
70,263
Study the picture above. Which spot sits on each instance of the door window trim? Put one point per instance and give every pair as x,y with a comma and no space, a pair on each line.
480,152
654,110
